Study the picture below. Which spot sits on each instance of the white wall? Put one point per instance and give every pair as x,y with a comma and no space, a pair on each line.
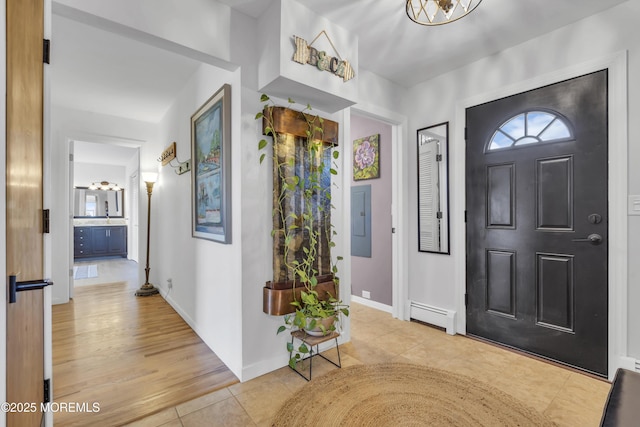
376,92
259,329
281,76
206,275
86,173
68,125
162,24
431,276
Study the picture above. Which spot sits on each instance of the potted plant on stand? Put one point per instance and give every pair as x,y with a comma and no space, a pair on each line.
304,162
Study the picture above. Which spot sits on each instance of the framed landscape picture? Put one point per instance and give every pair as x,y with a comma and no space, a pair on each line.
366,158
211,168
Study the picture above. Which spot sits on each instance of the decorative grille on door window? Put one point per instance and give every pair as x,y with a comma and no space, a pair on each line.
532,127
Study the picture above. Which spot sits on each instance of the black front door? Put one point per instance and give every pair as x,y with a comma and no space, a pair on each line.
537,242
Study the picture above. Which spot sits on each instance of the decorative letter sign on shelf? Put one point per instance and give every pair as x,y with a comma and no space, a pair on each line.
305,54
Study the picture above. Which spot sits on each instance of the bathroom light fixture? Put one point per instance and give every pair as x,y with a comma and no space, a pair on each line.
439,12
104,185
147,289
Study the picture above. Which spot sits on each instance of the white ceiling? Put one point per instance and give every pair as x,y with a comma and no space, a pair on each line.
102,72
394,47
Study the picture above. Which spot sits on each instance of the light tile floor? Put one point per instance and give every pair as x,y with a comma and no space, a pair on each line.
110,270
569,398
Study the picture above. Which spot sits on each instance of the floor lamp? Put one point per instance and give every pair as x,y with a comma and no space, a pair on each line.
148,289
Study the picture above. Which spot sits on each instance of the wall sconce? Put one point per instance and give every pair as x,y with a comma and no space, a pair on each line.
169,155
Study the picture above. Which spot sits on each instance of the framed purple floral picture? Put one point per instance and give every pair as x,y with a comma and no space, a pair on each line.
366,158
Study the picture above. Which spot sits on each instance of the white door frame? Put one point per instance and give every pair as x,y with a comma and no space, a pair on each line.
69,137
618,151
399,186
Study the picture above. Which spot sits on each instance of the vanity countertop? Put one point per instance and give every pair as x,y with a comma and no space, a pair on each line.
102,222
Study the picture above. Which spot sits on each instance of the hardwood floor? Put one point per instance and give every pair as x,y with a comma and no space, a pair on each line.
132,356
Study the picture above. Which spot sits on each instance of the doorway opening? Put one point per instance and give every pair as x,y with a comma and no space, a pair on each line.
371,221
104,221
374,206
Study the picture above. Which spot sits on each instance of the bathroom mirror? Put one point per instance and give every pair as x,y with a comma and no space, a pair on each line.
433,189
97,203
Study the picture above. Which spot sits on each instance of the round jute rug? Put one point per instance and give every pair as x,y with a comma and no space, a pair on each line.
399,395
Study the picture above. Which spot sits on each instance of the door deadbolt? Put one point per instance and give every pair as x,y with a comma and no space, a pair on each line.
595,218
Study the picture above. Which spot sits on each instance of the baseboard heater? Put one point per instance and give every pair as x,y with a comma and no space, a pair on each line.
434,316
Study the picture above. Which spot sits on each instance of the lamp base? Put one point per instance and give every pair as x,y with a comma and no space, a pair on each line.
146,290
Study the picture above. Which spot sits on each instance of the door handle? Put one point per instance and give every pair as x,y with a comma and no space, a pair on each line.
15,286
594,239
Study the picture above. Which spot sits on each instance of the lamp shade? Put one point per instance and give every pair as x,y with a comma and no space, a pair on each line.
149,176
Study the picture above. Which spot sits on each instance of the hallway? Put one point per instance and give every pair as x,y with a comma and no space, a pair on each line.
133,356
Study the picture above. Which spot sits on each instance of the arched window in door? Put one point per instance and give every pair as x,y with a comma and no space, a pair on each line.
531,127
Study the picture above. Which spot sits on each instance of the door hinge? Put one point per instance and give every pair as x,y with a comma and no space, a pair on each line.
45,221
466,300
46,51
439,215
465,133
47,391
438,157
71,157
465,216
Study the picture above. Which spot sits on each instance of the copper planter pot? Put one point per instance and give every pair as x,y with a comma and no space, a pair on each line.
277,297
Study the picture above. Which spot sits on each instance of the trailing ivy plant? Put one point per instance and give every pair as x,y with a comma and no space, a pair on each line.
304,237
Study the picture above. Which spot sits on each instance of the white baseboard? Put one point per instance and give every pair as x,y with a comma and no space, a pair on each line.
166,294
372,304
434,316
265,366
630,363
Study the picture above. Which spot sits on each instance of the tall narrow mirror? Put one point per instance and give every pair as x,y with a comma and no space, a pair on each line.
433,189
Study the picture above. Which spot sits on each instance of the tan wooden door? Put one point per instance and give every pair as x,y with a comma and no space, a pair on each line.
25,318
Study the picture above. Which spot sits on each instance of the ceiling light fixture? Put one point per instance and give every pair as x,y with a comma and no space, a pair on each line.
439,12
